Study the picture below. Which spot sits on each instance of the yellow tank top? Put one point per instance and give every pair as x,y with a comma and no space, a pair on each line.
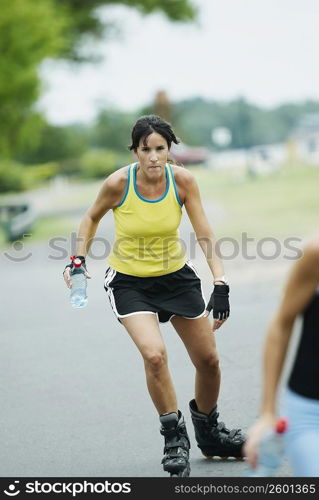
146,231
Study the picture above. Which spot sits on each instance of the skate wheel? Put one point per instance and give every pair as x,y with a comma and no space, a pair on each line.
224,458
181,473
240,459
184,473
207,456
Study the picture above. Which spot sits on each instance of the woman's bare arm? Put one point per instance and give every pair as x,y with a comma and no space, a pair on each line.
195,211
109,196
298,292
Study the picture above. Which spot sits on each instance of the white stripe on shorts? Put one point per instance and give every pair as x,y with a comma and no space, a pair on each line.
108,279
191,265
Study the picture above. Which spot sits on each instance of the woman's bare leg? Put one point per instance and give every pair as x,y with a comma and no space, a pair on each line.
145,333
200,343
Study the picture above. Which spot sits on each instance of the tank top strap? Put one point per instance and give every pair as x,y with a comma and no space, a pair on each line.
129,185
130,182
173,186
130,191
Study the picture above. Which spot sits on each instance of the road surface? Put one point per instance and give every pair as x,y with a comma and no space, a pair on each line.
73,393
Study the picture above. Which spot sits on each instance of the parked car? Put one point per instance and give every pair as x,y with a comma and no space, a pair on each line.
188,155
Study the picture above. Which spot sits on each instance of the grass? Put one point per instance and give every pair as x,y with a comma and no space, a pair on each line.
77,194
80,194
281,204
48,227
44,229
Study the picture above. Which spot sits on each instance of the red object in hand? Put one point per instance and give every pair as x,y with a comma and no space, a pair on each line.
76,261
281,425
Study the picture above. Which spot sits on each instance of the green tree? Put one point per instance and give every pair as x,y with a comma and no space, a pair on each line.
55,144
250,125
112,130
29,32
32,31
85,21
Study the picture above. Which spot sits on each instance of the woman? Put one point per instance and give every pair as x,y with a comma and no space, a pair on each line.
301,401
149,282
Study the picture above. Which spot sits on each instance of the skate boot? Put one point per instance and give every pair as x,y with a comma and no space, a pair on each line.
176,455
213,438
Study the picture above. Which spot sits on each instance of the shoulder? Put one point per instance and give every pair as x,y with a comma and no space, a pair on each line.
114,186
306,268
302,282
117,180
183,176
115,183
311,250
185,182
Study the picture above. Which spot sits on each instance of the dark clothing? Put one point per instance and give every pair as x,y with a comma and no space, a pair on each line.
174,294
304,378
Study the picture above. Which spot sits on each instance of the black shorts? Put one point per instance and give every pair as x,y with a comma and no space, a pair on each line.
174,294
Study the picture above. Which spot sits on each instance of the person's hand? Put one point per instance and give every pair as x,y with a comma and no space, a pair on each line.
219,302
69,267
255,433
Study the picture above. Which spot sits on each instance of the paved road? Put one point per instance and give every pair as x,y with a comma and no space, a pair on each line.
73,393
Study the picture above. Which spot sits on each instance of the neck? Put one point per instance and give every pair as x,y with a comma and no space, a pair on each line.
149,178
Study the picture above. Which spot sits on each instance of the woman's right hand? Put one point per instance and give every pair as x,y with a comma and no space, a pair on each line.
68,269
255,433
219,302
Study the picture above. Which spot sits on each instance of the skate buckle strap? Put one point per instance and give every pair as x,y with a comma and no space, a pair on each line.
175,445
218,428
169,433
222,427
180,452
212,419
233,433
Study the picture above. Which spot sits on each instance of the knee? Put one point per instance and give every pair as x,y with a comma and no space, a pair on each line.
209,363
155,361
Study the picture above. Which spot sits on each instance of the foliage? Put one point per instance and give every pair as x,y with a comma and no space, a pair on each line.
112,130
193,121
12,177
37,174
56,143
98,164
249,124
86,23
32,31
16,177
29,32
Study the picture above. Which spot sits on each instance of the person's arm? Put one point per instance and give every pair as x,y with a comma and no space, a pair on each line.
204,233
189,193
298,292
108,197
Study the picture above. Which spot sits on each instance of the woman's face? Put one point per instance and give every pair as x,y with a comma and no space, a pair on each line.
152,153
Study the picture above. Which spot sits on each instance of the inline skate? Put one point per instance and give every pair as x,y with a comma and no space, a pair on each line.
177,445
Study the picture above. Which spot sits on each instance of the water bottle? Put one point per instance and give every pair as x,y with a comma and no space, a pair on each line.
78,296
271,451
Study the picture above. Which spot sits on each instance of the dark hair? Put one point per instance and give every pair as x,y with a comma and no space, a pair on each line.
148,124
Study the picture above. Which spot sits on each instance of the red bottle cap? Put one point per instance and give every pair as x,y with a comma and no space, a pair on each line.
281,425
76,262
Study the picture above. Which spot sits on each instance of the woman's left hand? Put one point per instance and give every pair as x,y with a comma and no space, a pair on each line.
219,302
256,432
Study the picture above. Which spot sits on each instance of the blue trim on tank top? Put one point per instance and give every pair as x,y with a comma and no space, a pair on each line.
174,184
127,187
141,197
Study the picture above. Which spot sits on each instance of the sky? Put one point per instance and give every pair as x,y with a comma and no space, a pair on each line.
264,50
